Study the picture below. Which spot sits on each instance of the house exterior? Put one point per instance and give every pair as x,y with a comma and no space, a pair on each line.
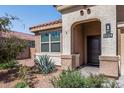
30,50
86,35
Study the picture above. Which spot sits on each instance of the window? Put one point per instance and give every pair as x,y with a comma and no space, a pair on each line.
50,41
45,42
31,44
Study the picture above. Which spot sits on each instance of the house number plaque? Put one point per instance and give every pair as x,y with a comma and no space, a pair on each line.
108,33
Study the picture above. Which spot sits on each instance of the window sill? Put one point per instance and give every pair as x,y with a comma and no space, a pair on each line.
55,54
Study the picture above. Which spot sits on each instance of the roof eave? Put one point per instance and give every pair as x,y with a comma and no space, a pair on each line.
46,27
60,8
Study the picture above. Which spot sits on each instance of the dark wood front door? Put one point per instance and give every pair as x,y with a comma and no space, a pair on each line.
93,50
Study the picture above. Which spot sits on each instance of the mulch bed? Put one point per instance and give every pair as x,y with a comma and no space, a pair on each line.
8,79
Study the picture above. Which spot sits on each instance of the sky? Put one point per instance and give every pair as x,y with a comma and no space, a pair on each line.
29,15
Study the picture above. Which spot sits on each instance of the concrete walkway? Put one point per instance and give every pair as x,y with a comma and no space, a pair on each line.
121,81
85,71
95,70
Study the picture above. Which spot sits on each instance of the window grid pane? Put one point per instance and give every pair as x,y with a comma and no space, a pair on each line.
55,47
45,47
44,37
55,36
50,41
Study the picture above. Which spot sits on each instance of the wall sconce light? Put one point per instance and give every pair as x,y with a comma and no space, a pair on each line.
81,12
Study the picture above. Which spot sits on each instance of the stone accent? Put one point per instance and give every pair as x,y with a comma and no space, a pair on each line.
66,62
32,52
37,42
109,65
70,61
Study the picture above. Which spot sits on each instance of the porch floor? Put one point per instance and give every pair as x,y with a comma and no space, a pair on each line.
85,71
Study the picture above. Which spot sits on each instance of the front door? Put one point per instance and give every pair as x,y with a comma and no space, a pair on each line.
93,50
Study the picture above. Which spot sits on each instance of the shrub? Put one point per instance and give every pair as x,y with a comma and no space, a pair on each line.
73,79
45,64
100,81
9,64
94,81
68,79
21,85
23,72
10,47
111,84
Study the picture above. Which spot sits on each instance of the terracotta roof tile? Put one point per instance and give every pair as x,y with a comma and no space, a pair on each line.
47,24
19,35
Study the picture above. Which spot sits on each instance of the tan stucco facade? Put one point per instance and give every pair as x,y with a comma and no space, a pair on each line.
70,18
75,29
108,45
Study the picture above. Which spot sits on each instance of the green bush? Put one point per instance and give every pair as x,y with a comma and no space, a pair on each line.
10,48
73,79
68,79
45,64
9,64
95,81
111,84
21,85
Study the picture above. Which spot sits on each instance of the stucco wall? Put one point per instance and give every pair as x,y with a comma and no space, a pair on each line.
56,57
78,42
106,14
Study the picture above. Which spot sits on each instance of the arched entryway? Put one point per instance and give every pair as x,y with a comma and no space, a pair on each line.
86,41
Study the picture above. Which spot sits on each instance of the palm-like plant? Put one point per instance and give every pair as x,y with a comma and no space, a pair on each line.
45,64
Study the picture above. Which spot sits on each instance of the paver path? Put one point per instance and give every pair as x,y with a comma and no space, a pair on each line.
121,81
85,71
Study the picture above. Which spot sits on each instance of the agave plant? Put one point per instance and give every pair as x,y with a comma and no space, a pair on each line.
45,64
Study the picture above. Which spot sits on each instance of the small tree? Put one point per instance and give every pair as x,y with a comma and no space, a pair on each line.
11,46
6,22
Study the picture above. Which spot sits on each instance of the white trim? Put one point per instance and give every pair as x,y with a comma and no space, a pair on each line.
50,54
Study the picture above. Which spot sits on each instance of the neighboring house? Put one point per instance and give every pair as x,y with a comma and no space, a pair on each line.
87,35
29,51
